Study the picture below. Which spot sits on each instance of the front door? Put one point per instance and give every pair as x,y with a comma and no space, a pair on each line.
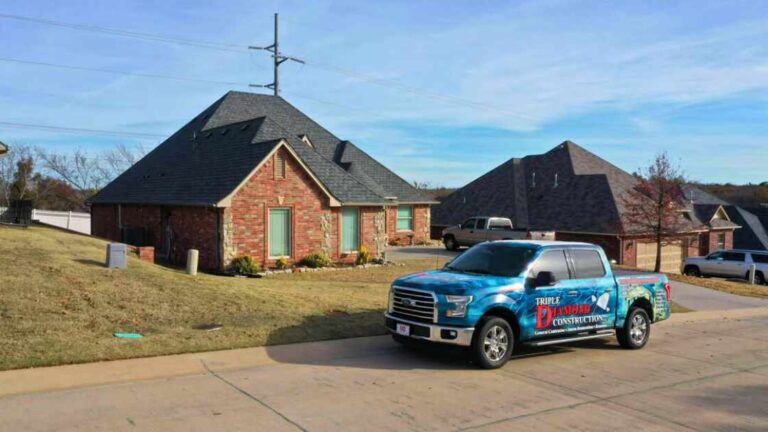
542,318
465,232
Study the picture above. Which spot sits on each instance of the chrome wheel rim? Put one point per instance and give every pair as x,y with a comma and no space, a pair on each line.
638,329
495,343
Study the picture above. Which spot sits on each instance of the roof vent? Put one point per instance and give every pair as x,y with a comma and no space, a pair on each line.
306,140
555,180
533,179
245,126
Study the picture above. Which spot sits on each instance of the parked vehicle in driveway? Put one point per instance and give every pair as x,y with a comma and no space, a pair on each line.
730,264
487,228
498,294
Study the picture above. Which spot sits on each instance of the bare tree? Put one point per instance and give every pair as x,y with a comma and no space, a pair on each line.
119,159
654,204
83,172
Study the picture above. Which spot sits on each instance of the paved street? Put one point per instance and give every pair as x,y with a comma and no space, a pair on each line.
701,371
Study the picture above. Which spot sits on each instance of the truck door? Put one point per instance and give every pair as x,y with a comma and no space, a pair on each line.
481,233
596,288
543,316
465,231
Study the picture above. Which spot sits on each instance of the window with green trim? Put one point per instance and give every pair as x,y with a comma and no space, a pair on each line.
350,229
405,218
279,232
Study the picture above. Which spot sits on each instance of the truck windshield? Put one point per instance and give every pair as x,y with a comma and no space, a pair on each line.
498,259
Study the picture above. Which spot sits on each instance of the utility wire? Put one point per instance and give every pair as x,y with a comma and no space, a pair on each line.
221,46
102,132
118,72
131,34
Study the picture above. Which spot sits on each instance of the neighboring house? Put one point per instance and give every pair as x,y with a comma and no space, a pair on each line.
753,221
253,175
579,196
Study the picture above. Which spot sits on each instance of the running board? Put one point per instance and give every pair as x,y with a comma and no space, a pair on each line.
597,335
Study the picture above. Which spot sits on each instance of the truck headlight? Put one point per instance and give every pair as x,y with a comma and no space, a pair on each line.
460,304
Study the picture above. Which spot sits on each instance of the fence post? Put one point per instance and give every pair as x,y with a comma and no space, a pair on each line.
69,219
752,269
192,257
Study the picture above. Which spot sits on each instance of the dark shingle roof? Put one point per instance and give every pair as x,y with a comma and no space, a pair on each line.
208,158
565,189
754,227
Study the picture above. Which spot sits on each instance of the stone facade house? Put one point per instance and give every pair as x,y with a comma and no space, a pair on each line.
578,195
253,175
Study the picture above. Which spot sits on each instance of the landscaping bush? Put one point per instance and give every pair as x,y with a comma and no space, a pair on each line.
245,265
281,263
362,256
316,260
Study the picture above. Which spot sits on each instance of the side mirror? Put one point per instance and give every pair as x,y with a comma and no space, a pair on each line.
544,278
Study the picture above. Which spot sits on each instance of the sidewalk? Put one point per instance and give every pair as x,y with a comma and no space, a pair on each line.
119,371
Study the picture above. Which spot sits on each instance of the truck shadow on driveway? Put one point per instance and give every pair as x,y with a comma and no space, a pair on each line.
358,351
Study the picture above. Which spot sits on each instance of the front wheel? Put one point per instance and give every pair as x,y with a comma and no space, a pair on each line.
492,343
692,271
636,330
450,243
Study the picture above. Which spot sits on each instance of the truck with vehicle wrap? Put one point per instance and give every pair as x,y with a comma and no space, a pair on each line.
499,294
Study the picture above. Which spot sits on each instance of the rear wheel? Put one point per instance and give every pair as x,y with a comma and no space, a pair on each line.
492,343
450,243
636,330
759,278
692,271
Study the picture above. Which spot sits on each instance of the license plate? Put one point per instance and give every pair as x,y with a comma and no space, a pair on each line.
403,329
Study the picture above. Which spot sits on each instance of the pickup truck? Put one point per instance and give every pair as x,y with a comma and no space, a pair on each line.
499,294
487,228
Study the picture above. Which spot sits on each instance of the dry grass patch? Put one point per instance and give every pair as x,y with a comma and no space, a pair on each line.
59,304
732,286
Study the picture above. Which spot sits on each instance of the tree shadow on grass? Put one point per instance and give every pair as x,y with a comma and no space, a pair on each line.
340,341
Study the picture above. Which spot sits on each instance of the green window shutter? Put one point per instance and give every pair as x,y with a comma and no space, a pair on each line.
279,232
350,229
405,218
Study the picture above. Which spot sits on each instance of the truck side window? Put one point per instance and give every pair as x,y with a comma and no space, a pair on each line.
552,261
480,223
587,264
733,256
468,224
760,258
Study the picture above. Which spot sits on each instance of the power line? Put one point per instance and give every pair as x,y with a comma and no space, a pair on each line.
101,132
118,72
278,59
221,46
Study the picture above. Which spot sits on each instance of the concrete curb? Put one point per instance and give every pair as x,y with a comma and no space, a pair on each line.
14,382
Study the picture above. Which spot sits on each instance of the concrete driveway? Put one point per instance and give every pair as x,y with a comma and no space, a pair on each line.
691,296
700,371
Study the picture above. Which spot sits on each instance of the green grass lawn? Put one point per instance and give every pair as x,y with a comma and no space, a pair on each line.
59,304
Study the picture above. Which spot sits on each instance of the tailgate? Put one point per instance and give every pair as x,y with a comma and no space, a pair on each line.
651,287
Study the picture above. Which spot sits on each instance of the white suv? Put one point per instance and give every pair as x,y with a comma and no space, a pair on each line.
729,263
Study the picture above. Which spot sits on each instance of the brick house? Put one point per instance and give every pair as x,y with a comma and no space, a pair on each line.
253,175
578,195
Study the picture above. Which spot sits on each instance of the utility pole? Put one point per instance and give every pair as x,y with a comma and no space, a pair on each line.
278,60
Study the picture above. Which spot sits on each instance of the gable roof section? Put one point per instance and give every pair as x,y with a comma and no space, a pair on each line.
207,159
565,189
754,229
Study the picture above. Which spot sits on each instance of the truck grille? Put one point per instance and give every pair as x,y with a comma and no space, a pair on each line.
413,304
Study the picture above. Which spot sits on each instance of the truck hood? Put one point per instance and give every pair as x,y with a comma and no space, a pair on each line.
453,283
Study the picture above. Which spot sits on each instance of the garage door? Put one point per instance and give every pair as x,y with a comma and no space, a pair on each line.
671,257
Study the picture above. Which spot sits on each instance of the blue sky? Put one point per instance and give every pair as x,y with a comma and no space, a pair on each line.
439,91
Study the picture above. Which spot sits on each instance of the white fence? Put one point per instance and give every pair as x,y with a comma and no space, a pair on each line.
73,221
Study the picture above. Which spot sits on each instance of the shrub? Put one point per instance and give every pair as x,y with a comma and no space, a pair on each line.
281,263
316,260
245,265
362,256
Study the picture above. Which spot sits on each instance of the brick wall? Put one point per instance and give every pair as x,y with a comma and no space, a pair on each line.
421,226
192,227
708,243
263,191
